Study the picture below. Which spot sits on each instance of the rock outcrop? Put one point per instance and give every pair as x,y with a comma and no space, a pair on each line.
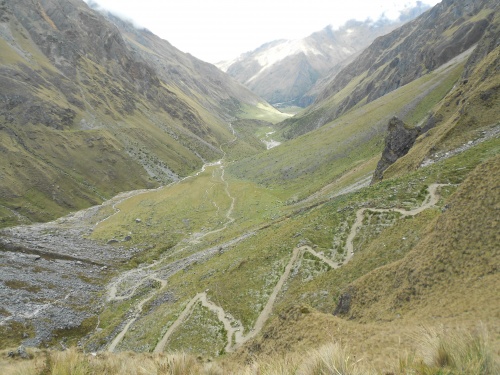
344,303
397,144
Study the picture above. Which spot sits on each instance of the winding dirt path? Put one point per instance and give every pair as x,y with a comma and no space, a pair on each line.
137,314
430,200
112,289
234,327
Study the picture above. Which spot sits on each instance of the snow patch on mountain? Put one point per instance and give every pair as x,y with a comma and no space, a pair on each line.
285,49
286,71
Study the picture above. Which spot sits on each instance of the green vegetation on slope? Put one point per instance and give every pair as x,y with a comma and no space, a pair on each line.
241,277
266,238
306,164
446,32
256,227
85,114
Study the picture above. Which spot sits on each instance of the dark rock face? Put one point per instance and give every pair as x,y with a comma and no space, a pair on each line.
397,144
344,304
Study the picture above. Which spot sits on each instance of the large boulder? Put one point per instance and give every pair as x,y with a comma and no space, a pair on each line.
397,144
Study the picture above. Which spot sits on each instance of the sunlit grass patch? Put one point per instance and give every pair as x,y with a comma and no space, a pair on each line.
201,334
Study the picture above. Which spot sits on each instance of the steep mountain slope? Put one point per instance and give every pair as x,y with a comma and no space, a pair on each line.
243,250
214,90
284,71
457,250
468,115
277,253
87,111
394,60
348,147
436,269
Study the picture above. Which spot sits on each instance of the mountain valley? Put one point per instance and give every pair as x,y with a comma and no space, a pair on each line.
289,72
156,213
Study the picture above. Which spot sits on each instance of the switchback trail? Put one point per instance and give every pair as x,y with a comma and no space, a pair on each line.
234,328
132,280
137,314
430,200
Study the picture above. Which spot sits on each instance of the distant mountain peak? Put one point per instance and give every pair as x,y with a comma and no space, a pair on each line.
284,71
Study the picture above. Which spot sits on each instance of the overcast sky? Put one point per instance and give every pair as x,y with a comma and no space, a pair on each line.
216,30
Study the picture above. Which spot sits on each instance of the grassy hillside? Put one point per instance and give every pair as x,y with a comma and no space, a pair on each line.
398,58
244,271
468,115
302,166
86,114
269,261
404,273
252,215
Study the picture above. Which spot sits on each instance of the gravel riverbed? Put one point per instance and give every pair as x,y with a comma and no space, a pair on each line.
52,277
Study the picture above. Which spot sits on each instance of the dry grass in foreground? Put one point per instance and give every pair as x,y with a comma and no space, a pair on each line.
439,353
450,352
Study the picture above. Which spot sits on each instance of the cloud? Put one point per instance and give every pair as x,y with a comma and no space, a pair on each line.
115,11
222,29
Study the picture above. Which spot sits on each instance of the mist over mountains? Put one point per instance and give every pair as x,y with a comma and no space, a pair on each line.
285,72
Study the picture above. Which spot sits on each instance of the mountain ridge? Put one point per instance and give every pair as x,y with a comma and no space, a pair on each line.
397,59
292,241
284,72
70,74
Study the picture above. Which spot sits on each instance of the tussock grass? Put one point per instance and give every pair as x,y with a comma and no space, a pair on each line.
438,352
331,359
443,352
74,362
273,366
